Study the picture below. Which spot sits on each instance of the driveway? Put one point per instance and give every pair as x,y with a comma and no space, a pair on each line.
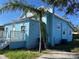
59,55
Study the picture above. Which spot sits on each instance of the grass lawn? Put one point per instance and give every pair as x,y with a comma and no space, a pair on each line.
20,54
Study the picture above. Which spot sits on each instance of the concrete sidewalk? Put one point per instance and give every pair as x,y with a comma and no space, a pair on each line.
3,57
59,55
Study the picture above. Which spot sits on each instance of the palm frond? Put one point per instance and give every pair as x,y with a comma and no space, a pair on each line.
15,4
71,6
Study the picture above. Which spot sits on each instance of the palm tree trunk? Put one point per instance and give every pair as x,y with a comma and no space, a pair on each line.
45,47
40,23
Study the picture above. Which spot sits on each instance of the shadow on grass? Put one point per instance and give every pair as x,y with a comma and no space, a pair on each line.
67,47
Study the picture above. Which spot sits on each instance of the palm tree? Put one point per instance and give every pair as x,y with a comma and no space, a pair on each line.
21,5
43,33
69,6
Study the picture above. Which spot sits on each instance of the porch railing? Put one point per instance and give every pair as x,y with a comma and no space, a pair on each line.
12,36
17,36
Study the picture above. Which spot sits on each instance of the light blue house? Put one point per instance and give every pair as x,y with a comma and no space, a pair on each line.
58,29
24,32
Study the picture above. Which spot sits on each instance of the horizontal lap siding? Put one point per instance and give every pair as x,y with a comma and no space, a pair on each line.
56,30
67,29
17,44
70,36
31,35
32,42
64,28
49,29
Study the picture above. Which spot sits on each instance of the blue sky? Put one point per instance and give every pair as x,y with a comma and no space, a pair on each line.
9,16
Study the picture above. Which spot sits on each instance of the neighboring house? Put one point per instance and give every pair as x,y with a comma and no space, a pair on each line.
24,32
1,28
1,31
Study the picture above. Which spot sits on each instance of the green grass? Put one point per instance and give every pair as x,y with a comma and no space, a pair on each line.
24,54
20,54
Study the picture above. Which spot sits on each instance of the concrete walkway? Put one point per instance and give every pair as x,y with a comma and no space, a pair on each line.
3,57
59,55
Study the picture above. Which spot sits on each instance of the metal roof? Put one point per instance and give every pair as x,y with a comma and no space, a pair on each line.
18,20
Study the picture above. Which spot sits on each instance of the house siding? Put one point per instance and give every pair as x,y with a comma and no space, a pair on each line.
55,28
17,44
64,29
56,31
30,37
32,42
67,29
70,35
49,29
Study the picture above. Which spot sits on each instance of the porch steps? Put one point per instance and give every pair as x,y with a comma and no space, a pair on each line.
4,44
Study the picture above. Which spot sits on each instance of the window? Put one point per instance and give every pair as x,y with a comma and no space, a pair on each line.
63,32
22,28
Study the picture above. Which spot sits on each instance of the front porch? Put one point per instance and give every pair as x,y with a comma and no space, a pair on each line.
13,39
